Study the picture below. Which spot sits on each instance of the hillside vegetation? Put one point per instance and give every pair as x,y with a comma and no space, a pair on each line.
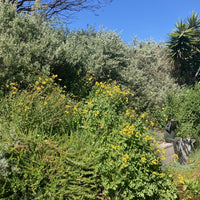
78,109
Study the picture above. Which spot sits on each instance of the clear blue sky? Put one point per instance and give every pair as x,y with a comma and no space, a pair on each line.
146,19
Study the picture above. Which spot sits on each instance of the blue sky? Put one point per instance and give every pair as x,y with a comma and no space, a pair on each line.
146,19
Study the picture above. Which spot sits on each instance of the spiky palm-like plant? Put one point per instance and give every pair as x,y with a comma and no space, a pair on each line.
184,45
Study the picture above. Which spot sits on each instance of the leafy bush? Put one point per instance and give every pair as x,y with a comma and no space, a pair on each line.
186,107
95,148
148,75
127,166
28,46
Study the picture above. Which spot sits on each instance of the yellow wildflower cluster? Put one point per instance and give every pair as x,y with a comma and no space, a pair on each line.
147,138
143,115
125,157
111,89
143,159
155,162
129,130
13,87
131,113
181,180
115,147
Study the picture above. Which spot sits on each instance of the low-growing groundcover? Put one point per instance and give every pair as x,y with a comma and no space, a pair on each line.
98,148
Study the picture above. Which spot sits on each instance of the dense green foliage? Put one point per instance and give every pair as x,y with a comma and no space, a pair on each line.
186,107
54,147
185,49
69,127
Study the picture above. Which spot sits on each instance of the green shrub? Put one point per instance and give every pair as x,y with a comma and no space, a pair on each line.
95,148
29,45
148,74
47,168
127,165
186,107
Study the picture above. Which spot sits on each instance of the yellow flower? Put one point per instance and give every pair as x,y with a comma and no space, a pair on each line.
111,163
158,150
67,106
164,115
152,124
163,158
175,156
163,108
114,147
127,156
181,181
127,112
54,76
62,96
143,159
42,97
45,103
59,79
97,113
20,104
90,103
154,173
37,83
14,92
162,175
155,162
124,159
43,82
90,78
66,112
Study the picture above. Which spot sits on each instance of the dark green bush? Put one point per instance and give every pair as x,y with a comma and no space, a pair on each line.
186,107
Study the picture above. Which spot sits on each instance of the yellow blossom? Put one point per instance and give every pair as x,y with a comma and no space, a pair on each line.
143,159
43,82
42,97
162,175
155,162
127,156
111,163
45,103
90,78
124,159
114,147
175,156
66,111
59,79
163,158
37,83
154,173
20,104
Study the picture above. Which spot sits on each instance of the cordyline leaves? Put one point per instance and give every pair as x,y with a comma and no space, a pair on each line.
184,45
